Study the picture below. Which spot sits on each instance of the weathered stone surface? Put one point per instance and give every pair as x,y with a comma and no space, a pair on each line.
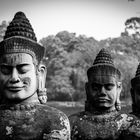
108,126
133,131
33,122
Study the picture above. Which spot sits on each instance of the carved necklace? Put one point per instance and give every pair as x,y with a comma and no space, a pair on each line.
20,107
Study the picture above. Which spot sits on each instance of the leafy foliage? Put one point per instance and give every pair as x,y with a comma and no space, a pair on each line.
70,56
132,26
68,59
3,27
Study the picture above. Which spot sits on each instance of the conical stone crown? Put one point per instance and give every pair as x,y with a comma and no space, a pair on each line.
103,65
20,26
103,58
20,38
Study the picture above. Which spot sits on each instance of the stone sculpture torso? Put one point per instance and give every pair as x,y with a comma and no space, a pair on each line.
108,126
32,122
24,114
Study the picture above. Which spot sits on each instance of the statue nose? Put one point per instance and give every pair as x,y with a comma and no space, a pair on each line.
15,76
102,90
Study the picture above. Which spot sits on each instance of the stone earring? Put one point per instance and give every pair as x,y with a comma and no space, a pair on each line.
42,91
118,105
42,95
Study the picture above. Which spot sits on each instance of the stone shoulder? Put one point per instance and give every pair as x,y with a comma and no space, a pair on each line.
57,121
50,110
51,113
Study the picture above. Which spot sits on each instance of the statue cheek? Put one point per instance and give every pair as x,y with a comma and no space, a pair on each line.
112,96
3,82
26,81
92,94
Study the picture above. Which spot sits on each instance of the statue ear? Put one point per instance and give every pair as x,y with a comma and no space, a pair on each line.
42,72
119,86
118,102
42,94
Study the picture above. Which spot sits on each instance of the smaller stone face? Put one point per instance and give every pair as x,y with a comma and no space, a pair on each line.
104,83
18,80
102,92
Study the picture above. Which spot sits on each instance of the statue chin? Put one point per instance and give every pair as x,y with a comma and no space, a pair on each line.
100,108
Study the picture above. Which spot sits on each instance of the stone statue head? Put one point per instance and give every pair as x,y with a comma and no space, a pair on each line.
22,68
104,83
135,91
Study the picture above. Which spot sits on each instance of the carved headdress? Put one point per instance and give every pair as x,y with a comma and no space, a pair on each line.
20,37
103,65
136,79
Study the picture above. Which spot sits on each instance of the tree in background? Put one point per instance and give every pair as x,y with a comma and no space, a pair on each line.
3,27
133,27
68,59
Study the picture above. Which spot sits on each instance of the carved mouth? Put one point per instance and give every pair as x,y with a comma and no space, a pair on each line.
103,100
14,89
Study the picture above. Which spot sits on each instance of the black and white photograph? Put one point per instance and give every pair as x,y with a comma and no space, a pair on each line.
70,70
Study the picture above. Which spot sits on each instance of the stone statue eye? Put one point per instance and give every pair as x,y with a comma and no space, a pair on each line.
96,86
109,86
5,69
22,69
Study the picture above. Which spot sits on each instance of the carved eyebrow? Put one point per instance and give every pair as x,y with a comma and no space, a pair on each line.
18,65
23,64
3,64
97,84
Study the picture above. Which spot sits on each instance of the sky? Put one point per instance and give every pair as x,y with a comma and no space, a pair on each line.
100,19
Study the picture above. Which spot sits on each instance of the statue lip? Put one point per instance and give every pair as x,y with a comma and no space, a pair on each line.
15,88
101,99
